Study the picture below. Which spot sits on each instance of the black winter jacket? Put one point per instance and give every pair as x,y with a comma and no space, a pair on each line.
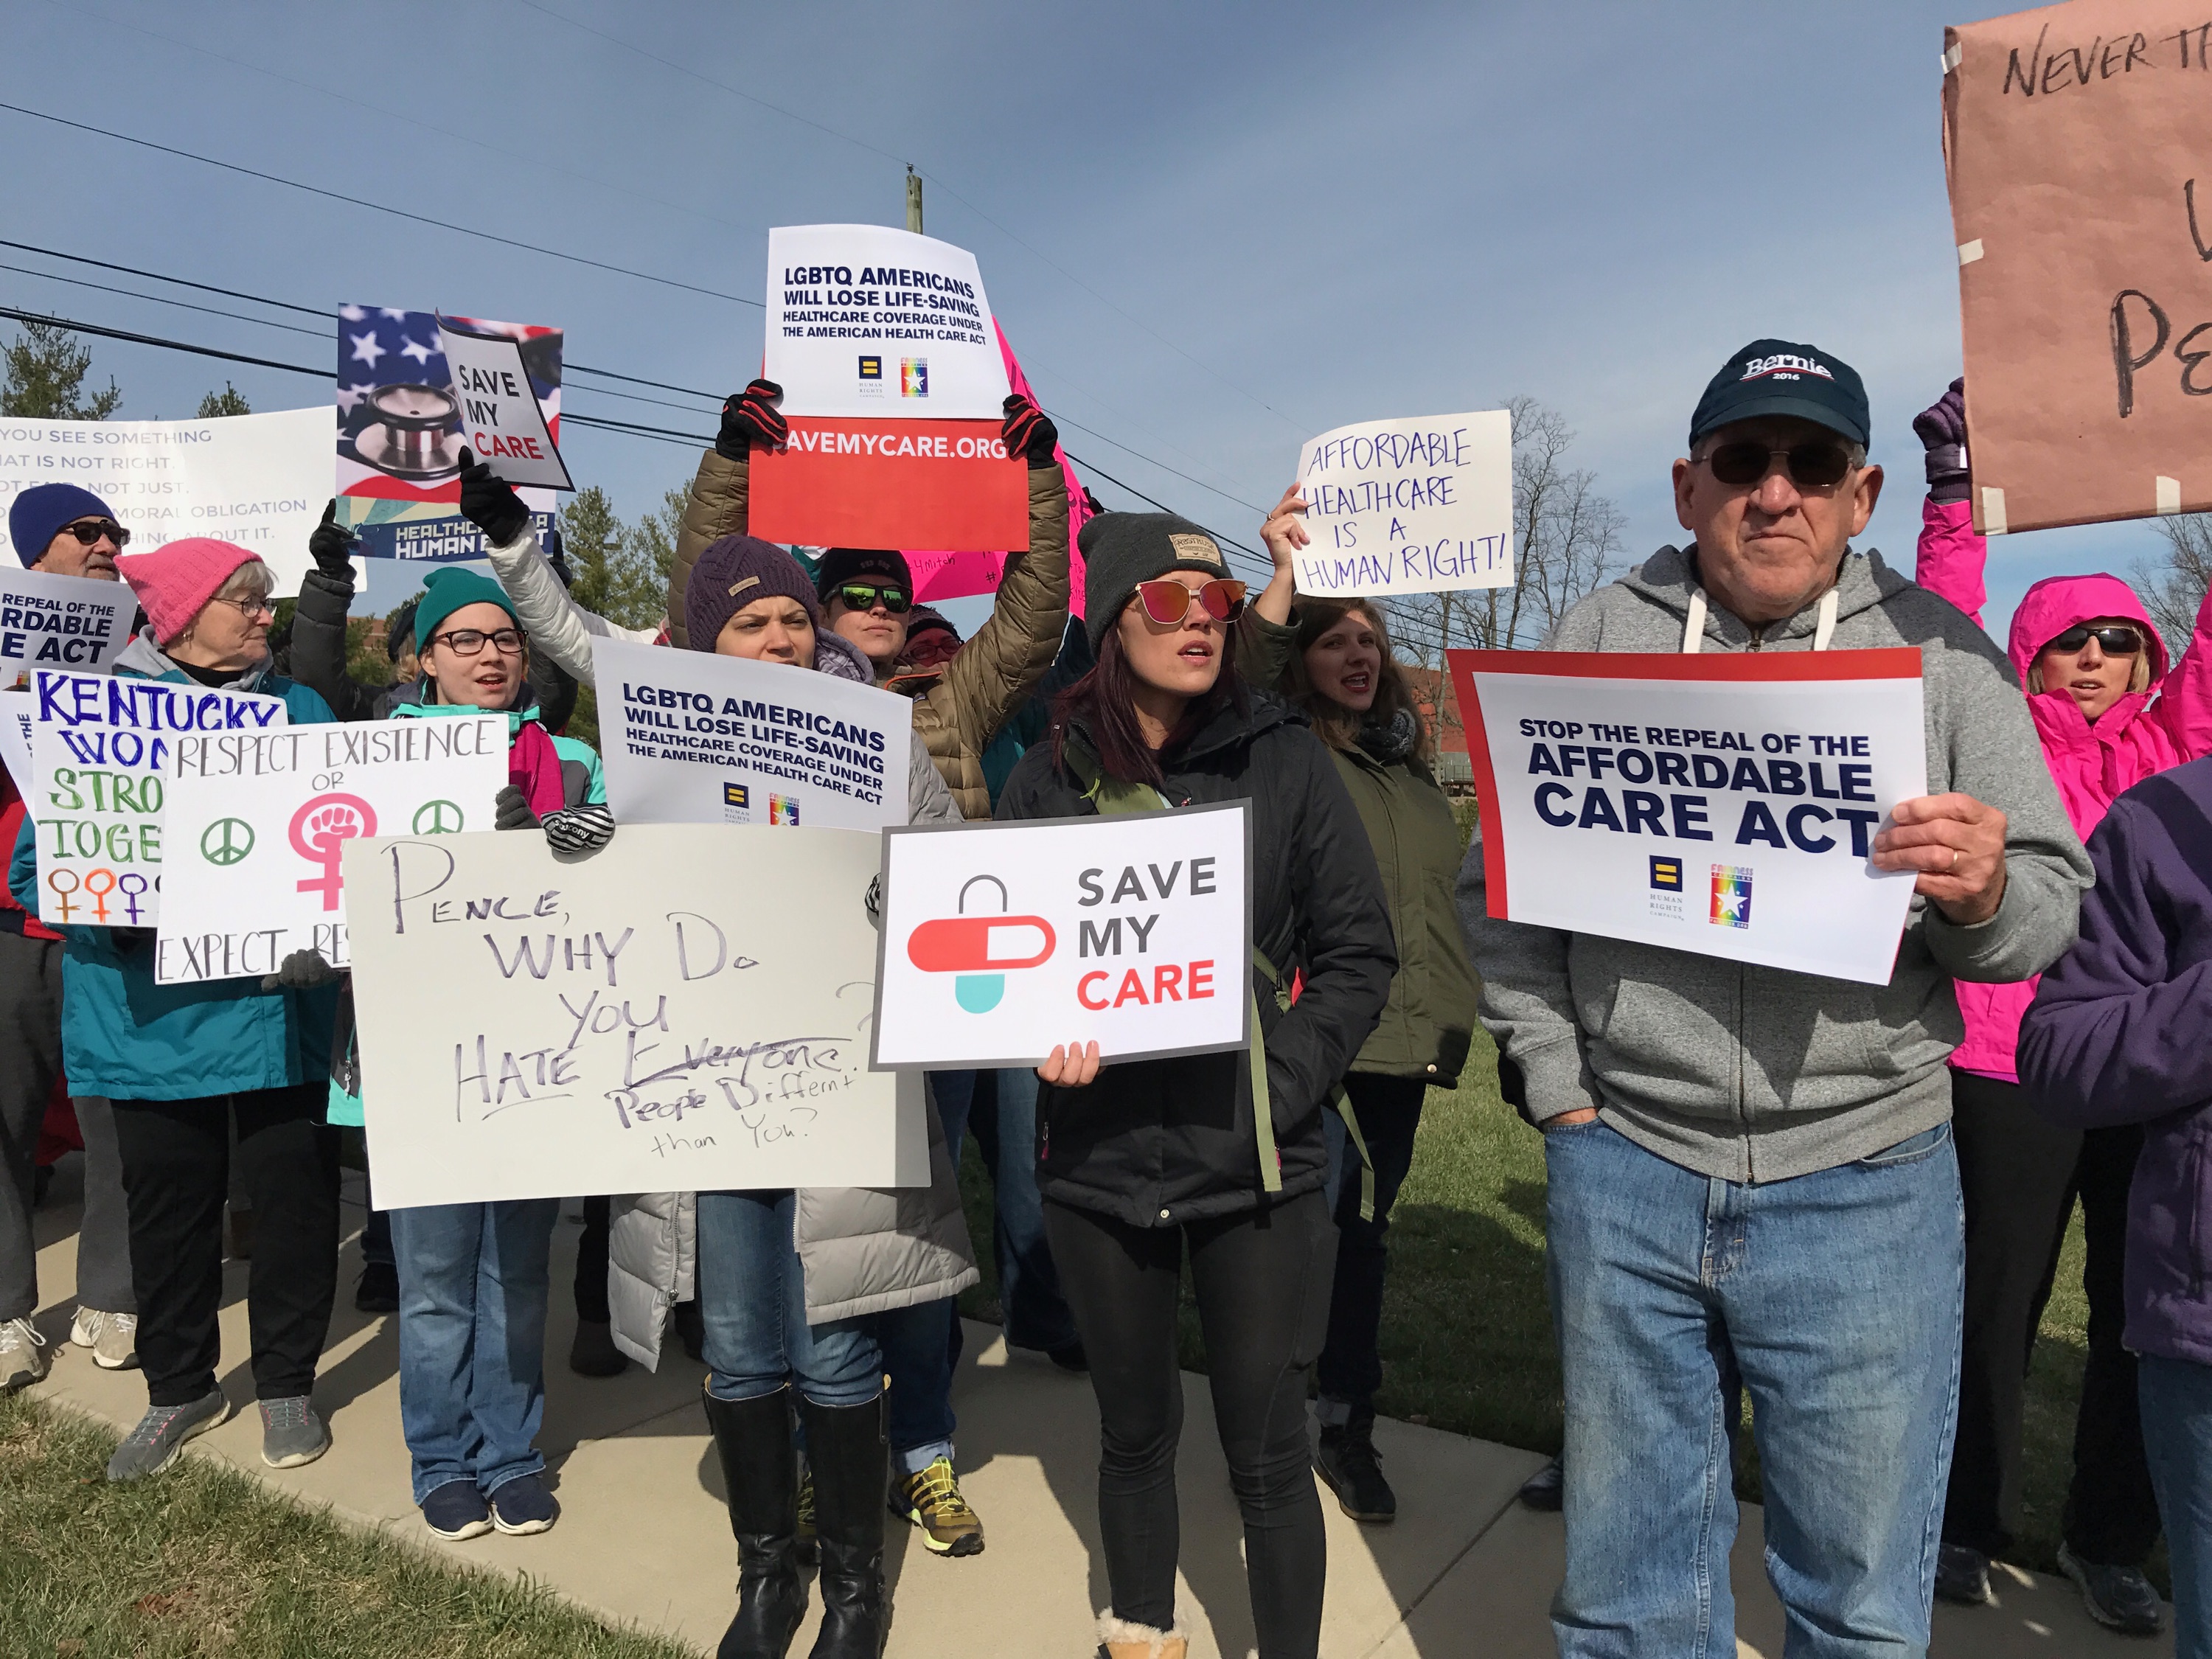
1156,1143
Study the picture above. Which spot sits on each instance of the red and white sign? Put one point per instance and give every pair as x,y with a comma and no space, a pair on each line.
944,484
1719,805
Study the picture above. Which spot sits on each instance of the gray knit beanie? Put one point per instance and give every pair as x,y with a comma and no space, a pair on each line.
1121,549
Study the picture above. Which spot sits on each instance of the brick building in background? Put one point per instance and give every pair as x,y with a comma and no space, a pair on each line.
1438,705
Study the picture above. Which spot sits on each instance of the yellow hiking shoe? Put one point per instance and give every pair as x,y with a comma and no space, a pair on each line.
932,1501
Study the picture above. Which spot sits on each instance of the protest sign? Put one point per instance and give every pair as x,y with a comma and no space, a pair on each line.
60,622
501,421
946,484
101,747
2074,139
863,320
15,720
688,737
1415,505
1720,805
686,1009
258,480
257,821
399,430
1000,940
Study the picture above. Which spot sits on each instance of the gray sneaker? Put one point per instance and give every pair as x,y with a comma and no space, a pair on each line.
2118,1598
291,1433
21,1362
161,1433
112,1337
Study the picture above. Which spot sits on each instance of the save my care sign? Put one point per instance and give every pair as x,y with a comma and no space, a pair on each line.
1721,805
1001,940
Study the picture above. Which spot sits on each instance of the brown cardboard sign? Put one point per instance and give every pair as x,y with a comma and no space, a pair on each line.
2077,140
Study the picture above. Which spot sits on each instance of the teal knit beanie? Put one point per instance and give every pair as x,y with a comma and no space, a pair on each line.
449,589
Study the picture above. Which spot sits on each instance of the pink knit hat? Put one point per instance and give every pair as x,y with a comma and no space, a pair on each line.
175,581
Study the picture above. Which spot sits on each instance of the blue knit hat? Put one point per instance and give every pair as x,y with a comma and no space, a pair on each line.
445,592
39,513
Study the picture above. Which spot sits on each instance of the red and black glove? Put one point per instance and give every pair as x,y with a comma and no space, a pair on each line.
751,421
1028,431
1941,428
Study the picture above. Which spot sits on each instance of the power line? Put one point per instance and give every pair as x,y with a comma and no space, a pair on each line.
1261,558
164,299
379,207
156,275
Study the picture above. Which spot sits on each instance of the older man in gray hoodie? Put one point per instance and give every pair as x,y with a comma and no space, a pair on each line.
1751,1179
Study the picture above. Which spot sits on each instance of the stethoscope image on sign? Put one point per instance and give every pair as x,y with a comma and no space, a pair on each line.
980,950
416,433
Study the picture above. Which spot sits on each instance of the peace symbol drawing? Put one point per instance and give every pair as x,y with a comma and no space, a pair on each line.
437,818
227,841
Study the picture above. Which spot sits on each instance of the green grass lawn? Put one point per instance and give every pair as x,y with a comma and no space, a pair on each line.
206,1560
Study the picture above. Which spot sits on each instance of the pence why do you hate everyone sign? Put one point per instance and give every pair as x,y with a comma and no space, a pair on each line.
687,1009
257,822
1414,506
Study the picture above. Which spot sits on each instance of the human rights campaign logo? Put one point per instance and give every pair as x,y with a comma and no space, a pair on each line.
1731,896
872,377
1666,874
979,949
736,794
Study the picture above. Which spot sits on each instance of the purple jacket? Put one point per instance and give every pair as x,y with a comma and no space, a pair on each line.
2117,1034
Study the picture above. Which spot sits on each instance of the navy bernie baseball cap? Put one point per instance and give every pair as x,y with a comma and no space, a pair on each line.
1783,377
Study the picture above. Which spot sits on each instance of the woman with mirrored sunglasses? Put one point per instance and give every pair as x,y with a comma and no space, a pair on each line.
2110,711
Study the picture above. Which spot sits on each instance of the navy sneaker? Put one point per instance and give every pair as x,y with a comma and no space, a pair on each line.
522,1506
457,1510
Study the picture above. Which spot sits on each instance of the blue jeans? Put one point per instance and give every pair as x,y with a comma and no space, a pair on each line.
472,1290
2175,1397
1035,1311
1834,1299
922,1343
752,1304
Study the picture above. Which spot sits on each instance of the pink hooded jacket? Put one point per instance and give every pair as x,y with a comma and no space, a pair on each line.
2145,732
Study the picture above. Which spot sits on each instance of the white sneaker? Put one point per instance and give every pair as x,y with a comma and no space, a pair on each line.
22,1364
112,1337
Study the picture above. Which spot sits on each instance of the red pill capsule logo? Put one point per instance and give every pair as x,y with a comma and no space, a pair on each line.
981,949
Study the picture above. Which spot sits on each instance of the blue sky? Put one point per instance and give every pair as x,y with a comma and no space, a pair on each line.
1209,231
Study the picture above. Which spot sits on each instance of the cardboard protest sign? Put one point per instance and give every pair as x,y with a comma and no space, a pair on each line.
400,434
635,1019
502,422
1000,940
100,746
258,480
1414,506
688,737
1720,805
2075,139
257,822
60,622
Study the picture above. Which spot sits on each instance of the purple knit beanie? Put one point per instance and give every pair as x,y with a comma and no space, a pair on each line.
730,575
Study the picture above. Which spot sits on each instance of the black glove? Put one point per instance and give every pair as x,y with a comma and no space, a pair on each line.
1028,431
303,970
491,504
1941,428
331,546
751,420
511,811
129,939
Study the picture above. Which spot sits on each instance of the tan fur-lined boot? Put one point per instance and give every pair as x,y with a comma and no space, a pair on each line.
1118,1638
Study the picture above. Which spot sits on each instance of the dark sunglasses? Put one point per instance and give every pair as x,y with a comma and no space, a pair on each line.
1169,603
88,530
2113,642
865,596
1814,465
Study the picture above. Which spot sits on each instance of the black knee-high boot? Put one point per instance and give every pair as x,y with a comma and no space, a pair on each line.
851,1463
753,1439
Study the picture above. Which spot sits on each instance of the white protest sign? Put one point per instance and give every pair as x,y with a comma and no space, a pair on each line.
1415,505
16,722
257,822
1000,940
99,747
258,480
688,737
60,621
866,320
1721,805
686,1009
502,422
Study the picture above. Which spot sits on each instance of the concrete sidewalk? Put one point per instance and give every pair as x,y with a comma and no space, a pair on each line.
644,1539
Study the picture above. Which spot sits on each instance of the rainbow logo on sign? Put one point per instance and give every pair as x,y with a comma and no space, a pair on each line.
782,809
914,377
1731,896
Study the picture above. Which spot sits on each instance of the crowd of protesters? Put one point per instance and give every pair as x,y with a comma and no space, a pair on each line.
1843,1202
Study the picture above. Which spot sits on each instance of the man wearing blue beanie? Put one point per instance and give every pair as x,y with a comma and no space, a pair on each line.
66,531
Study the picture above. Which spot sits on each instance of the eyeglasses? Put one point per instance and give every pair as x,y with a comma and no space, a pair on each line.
1169,603
1814,465
88,530
249,608
470,641
2113,642
865,596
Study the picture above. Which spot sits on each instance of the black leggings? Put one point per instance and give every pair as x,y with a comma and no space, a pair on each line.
1263,1279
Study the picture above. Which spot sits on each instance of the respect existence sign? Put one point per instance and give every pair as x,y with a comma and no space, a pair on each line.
101,747
258,821
535,1024
1001,940
60,622
1720,805
688,737
1412,506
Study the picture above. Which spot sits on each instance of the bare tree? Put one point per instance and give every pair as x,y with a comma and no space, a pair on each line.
2173,588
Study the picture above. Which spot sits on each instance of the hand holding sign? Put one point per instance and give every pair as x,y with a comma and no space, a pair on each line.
1071,1066
1957,845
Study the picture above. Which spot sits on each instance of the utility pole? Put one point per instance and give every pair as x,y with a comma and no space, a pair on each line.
913,200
